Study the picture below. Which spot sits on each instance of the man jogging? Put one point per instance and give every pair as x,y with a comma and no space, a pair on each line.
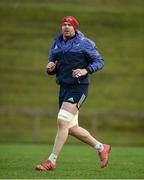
72,57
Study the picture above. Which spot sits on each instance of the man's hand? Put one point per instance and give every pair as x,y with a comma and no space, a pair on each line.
79,72
50,68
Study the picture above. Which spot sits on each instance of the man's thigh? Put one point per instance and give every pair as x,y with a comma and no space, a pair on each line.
72,108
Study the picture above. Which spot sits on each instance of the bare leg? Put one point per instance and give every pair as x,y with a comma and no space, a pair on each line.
83,135
61,137
62,132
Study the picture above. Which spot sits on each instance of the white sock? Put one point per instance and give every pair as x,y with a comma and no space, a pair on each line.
99,146
53,158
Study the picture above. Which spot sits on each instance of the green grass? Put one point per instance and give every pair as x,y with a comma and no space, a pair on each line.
75,162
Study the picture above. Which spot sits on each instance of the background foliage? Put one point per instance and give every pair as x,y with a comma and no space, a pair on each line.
27,29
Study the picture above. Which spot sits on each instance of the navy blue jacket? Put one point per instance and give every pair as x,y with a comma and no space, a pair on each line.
77,52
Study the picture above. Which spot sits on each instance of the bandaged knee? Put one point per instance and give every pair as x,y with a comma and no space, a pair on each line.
74,121
65,115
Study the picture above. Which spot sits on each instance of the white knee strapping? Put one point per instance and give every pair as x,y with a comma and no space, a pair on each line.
65,115
74,121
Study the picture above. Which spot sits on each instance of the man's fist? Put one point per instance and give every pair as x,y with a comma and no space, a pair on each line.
50,68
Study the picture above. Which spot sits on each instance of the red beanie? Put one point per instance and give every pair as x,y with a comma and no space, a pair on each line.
72,21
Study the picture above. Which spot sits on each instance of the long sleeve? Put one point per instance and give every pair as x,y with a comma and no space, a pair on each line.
96,61
51,56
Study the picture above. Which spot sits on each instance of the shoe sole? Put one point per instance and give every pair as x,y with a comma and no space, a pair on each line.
44,169
107,161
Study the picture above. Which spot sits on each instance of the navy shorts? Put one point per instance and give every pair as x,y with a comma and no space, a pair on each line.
75,94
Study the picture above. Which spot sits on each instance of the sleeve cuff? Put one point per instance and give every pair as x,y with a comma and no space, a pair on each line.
88,70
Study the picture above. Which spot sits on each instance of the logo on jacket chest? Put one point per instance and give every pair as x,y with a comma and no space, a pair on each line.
76,45
56,47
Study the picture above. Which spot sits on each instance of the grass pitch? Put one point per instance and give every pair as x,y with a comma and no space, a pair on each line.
75,162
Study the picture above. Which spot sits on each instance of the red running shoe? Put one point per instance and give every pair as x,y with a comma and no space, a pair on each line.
47,165
104,155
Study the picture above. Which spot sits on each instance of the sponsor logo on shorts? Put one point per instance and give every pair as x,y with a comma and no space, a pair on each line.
71,99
